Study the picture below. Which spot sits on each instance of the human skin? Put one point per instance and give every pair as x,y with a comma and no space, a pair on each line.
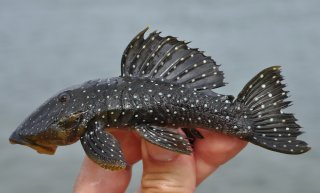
163,171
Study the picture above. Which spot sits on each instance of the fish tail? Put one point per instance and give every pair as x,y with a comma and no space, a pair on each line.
264,99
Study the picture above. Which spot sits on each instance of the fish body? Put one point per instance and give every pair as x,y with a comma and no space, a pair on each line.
164,85
159,104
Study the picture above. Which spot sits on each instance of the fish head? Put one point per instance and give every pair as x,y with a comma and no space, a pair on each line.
61,120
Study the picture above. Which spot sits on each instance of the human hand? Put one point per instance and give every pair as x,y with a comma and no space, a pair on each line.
163,170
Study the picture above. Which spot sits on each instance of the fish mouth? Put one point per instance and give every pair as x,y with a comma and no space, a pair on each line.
40,148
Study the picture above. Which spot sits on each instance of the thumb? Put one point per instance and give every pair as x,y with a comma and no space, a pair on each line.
166,171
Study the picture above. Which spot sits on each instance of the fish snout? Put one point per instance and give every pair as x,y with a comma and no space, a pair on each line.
15,138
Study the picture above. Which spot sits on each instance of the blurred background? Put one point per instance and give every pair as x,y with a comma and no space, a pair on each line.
46,46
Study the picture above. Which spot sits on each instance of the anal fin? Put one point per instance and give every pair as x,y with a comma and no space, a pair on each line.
103,148
164,138
192,134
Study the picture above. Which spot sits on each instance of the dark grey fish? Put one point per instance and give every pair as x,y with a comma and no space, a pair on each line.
164,85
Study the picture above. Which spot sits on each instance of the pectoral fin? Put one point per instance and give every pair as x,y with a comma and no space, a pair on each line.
102,148
165,138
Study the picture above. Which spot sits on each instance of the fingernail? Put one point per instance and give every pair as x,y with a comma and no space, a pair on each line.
159,154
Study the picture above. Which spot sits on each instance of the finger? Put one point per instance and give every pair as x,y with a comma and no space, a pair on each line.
214,150
166,171
130,144
94,179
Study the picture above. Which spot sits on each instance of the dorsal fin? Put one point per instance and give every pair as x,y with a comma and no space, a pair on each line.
170,60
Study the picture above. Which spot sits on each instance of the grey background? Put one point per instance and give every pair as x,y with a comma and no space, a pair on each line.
48,45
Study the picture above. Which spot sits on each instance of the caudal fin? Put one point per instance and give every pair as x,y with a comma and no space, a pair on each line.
272,129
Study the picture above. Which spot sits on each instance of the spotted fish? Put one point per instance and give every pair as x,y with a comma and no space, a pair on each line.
164,85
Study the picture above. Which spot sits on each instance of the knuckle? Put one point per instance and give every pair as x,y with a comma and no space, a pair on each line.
163,183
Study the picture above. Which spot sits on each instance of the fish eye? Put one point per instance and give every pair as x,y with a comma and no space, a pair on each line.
64,97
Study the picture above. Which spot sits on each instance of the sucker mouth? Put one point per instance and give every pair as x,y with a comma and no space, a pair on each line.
44,149
40,148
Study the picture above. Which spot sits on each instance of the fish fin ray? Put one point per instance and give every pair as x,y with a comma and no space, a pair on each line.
164,138
170,60
272,129
103,148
